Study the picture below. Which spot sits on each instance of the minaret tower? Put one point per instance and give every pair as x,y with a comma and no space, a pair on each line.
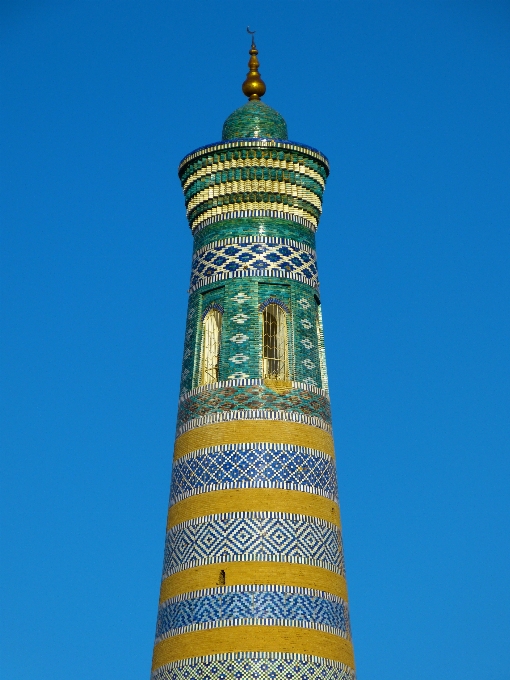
253,578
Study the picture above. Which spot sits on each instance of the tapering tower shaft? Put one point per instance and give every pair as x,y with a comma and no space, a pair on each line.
253,579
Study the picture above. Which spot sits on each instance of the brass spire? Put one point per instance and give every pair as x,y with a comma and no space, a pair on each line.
253,87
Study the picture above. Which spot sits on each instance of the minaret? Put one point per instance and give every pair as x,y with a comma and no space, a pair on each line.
253,579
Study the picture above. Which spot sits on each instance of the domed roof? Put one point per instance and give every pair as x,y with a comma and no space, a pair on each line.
255,119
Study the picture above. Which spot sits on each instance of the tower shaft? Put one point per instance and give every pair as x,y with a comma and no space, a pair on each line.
254,580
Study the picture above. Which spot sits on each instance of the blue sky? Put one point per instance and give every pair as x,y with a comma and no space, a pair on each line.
410,101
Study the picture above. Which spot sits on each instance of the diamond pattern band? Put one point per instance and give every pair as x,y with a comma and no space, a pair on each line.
234,466
255,666
253,256
252,536
257,604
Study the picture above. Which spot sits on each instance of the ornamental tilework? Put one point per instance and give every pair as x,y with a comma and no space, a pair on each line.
255,666
255,119
249,226
234,466
227,182
253,206
269,605
252,414
254,536
251,397
253,256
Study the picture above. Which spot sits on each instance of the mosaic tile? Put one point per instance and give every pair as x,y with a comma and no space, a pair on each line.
217,230
253,256
265,536
231,398
254,206
255,666
252,414
253,180
255,119
234,466
254,605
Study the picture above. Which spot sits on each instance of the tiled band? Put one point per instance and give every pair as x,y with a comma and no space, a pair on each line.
235,164
278,639
239,430
224,606
252,537
253,465
253,573
251,179
246,382
263,399
253,256
255,666
254,500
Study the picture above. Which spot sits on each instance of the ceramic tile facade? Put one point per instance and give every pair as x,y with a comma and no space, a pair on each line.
251,397
253,536
253,202
234,466
255,119
261,604
221,182
252,666
253,256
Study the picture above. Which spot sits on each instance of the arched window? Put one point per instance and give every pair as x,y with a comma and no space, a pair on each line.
322,353
275,360
211,336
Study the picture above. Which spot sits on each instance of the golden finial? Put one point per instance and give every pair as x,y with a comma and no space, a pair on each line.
253,87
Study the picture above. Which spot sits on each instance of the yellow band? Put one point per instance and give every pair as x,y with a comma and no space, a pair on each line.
246,431
253,500
283,639
253,573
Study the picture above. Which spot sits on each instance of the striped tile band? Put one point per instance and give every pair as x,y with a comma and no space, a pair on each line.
256,666
221,181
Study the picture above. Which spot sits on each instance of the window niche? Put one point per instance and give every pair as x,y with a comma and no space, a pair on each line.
275,346
212,319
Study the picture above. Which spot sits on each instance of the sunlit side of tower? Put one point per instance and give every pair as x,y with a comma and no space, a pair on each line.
253,579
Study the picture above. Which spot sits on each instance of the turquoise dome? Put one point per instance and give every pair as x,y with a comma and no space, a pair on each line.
255,119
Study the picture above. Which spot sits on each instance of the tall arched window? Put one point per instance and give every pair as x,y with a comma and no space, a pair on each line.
275,359
211,336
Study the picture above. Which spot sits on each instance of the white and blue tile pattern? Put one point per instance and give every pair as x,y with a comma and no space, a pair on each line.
260,604
255,666
235,466
253,256
253,536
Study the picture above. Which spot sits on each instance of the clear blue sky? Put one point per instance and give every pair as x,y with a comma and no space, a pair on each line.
411,103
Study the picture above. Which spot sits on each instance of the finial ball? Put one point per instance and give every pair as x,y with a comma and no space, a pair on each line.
254,87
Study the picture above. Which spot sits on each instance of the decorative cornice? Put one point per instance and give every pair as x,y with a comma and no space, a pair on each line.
254,142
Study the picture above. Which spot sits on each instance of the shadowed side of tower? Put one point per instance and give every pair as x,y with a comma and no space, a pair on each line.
253,579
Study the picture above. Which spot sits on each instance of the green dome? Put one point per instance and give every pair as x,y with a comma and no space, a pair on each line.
255,119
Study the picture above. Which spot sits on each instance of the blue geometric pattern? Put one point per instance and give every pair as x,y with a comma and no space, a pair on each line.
262,604
253,256
235,466
253,536
255,666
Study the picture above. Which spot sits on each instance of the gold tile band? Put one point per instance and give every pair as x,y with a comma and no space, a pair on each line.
253,500
246,431
253,573
283,639
251,205
233,164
